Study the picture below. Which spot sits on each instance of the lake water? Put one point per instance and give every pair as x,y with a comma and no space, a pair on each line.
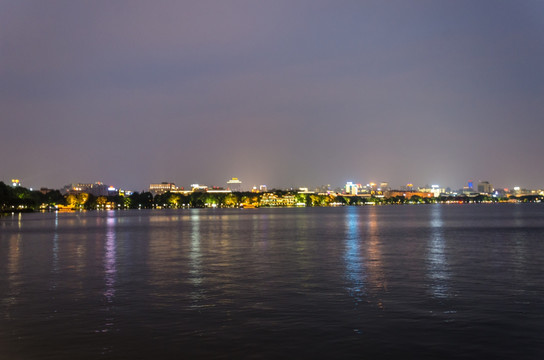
413,281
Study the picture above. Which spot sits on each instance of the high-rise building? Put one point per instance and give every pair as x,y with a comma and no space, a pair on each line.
234,184
485,187
351,188
436,190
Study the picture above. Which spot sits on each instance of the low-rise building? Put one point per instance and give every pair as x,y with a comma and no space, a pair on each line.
96,189
218,190
162,188
270,199
198,187
408,194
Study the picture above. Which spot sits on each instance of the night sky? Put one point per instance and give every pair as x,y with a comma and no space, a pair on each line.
283,93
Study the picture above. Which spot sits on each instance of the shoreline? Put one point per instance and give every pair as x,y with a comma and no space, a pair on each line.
30,211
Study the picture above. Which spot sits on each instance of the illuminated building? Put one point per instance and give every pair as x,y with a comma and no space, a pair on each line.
485,187
269,199
79,188
234,184
15,182
112,191
263,188
435,189
125,192
96,189
408,194
197,187
351,188
218,190
101,189
162,188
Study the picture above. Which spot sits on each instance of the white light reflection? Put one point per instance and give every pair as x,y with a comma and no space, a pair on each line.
55,250
195,259
109,259
438,268
518,216
376,277
14,259
355,273
110,267
517,245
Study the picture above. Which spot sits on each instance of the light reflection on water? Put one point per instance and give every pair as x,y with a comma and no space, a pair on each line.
110,269
437,263
354,260
363,258
14,273
55,255
376,274
357,281
195,261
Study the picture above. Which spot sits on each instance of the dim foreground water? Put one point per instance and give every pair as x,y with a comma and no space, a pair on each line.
430,281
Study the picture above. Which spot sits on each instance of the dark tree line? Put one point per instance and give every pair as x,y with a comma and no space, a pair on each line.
22,199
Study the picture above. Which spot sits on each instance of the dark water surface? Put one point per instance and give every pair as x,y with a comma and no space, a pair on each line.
429,281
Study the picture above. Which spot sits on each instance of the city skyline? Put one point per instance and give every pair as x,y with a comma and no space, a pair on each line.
236,184
280,93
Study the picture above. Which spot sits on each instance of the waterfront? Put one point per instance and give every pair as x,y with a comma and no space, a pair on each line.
425,281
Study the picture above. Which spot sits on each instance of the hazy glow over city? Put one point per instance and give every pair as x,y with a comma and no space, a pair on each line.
282,93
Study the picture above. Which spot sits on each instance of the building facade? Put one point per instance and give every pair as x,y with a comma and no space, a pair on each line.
234,184
484,187
162,188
